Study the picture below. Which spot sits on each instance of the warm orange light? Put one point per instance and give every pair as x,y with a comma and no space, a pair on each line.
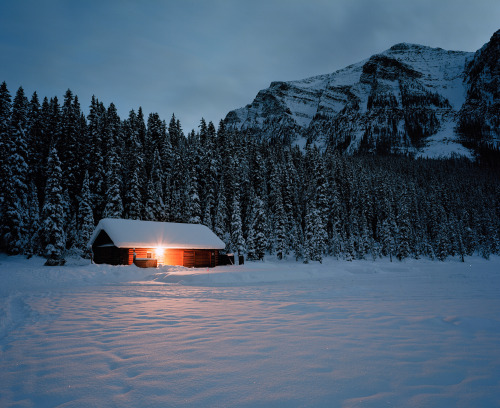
160,255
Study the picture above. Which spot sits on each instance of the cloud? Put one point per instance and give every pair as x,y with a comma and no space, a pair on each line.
205,58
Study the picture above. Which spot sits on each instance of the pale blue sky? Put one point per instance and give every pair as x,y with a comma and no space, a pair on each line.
203,58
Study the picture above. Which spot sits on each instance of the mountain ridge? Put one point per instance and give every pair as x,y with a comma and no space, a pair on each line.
410,98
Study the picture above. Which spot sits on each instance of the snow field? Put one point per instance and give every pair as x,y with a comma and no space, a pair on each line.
269,334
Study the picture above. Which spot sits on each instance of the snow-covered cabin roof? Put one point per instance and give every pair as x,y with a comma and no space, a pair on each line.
153,234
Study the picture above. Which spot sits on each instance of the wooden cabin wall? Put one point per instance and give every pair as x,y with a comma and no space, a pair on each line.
140,252
200,258
189,258
110,255
174,257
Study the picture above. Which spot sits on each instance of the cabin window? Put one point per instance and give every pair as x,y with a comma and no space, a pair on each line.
149,255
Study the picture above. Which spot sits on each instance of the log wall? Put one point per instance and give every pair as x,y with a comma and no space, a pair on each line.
199,258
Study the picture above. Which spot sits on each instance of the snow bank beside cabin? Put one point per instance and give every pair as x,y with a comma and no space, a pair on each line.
19,274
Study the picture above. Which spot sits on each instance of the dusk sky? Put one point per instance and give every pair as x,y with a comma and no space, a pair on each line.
204,58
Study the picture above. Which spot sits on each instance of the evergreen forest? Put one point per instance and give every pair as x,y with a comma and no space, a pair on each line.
62,171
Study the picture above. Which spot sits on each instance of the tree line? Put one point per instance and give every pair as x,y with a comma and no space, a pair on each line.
62,171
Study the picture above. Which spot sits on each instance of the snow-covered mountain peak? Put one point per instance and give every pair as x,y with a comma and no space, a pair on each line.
407,98
407,46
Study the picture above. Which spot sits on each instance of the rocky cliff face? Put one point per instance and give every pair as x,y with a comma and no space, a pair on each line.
479,118
410,98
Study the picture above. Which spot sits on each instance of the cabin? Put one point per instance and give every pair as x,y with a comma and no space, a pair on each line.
152,244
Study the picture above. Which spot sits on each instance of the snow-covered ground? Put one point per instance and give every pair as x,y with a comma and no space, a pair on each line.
272,334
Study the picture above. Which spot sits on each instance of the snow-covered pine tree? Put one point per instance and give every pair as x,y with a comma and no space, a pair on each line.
133,168
113,133
154,207
114,203
33,240
334,222
16,185
207,216
194,211
85,219
403,249
68,145
297,241
350,251
365,241
155,135
257,239
167,160
208,173
203,131
53,126
36,141
443,243
277,238
457,243
386,237
52,234
174,132
149,211
220,222
237,242
259,172
97,170
133,198
40,145
280,233
5,114
315,235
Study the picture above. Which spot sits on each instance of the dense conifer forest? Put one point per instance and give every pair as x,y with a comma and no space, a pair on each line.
62,171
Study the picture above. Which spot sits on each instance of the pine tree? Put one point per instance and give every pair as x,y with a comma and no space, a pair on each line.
315,236
113,132
133,197
403,249
133,166
149,210
280,224
52,229
237,241
443,244
386,237
194,202
207,216
68,146
16,199
114,204
220,222
36,141
5,114
97,170
257,239
33,240
85,219
350,252
297,239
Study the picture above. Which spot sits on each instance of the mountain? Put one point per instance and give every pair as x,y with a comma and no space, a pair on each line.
480,114
410,98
